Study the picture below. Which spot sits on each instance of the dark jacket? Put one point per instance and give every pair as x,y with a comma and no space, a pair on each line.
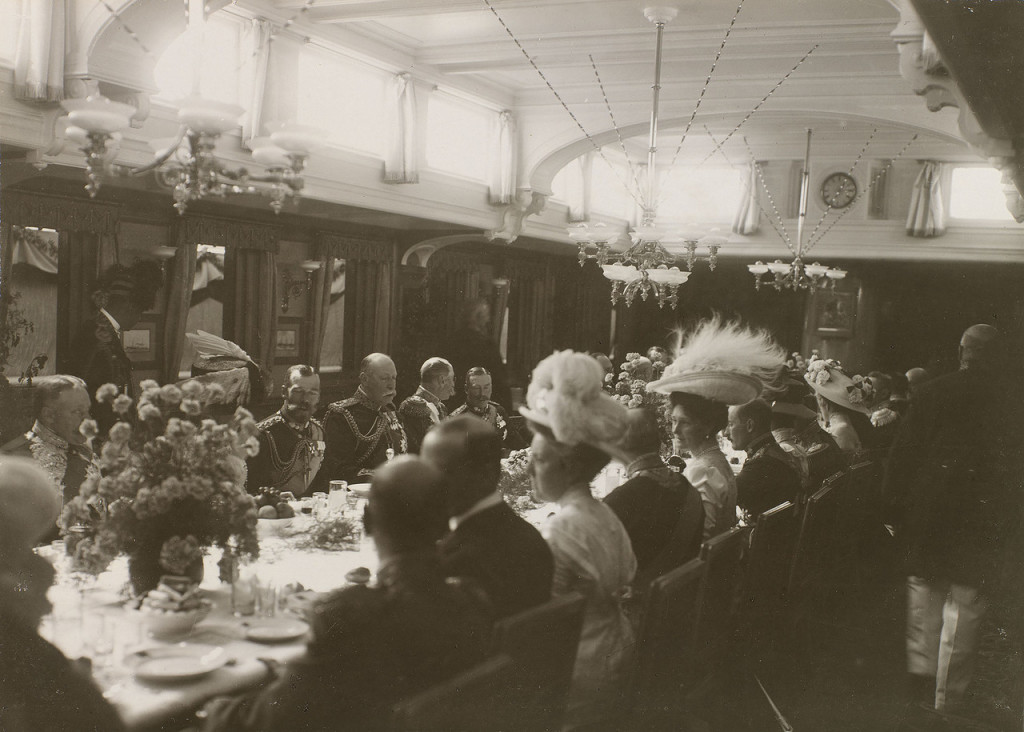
358,435
289,456
664,520
98,358
417,417
955,477
768,477
505,555
370,647
467,348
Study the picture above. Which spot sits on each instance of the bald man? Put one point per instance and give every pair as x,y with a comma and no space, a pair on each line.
39,688
488,541
954,480
372,646
359,431
425,408
770,475
915,378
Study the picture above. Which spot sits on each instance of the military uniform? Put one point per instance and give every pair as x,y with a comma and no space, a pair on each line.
97,357
67,464
770,476
358,434
494,414
824,458
418,414
290,455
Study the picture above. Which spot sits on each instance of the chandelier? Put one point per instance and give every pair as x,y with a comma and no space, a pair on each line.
646,267
796,275
188,164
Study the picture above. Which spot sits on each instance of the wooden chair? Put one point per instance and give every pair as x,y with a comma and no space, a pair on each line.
722,555
768,562
667,637
815,550
542,642
476,700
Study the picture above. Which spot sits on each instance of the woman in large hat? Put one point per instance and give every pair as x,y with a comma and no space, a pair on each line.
718,365
842,405
574,421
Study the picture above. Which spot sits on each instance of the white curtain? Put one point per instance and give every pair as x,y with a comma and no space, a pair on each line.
503,161
39,55
257,48
578,187
927,215
400,158
748,216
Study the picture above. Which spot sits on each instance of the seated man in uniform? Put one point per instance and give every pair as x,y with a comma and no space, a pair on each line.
426,408
363,431
373,645
770,476
663,514
61,405
796,429
488,542
291,441
478,401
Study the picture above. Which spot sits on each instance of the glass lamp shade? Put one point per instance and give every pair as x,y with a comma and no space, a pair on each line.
311,265
646,233
620,272
208,117
713,240
297,139
778,267
758,268
77,135
815,270
668,276
599,233
98,115
267,153
836,274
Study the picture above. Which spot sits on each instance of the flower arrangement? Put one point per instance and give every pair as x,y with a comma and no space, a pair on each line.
630,386
515,485
171,484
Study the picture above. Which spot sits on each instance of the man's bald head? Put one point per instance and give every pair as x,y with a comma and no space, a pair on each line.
468,451
377,377
979,346
406,507
29,506
917,376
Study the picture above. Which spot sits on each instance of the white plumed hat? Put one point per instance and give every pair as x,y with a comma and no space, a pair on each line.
566,397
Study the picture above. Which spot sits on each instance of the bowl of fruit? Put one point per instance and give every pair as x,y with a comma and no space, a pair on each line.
174,607
273,511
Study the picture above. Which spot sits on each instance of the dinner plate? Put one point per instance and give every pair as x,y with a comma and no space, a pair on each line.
277,630
360,489
179,662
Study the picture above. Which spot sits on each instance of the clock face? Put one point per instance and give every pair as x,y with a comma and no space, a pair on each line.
838,190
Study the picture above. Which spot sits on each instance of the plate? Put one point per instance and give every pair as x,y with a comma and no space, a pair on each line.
360,489
276,631
179,662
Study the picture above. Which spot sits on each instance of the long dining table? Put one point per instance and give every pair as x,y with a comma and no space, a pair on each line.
92,621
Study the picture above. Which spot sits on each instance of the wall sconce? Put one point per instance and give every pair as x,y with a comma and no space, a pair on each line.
164,255
295,287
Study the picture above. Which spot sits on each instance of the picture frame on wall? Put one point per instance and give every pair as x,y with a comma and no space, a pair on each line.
140,343
288,340
835,314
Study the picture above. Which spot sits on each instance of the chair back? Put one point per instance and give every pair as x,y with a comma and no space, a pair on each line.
722,556
768,561
542,641
474,700
667,637
816,548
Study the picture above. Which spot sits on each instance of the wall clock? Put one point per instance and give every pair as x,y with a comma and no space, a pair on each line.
838,190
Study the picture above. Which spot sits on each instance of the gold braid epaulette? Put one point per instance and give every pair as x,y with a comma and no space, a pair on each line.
303,448
372,438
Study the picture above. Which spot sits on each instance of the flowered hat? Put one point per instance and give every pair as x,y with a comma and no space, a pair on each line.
723,362
566,396
828,380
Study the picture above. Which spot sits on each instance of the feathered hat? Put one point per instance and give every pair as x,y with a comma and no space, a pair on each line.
723,362
566,396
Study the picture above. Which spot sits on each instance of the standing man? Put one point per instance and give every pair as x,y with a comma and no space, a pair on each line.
291,441
426,408
359,431
97,353
770,476
472,345
479,404
955,478
55,442
488,542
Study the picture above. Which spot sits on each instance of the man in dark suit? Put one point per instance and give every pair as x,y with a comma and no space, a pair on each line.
372,646
421,411
488,542
955,482
770,475
663,514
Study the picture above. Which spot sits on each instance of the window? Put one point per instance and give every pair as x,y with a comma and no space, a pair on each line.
344,98
977,193
460,136
34,284
206,311
219,62
10,10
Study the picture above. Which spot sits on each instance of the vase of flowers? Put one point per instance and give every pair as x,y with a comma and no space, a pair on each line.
171,485
630,388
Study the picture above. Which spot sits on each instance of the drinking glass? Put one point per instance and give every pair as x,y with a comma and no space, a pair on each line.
266,599
243,594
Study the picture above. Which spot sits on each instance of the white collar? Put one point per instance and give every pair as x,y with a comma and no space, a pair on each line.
117,326
492,499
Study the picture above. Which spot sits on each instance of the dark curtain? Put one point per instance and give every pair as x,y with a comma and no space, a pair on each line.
319,307
531,315
181,272
77,262
250,307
